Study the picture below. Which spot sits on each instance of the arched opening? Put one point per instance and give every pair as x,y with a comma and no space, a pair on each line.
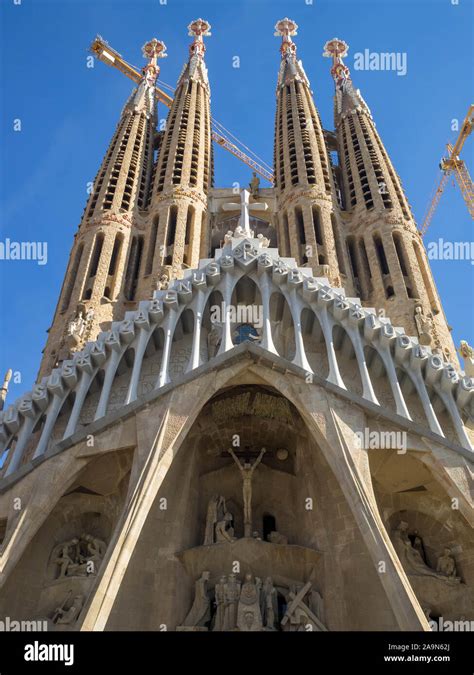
172,221
427,281
400,249
346,360
283,329
351,248
212,325
443,416
316,214
92,399
62,419
268,525
383,265
133,267
190,219
246,310
412,400
337,242
72,279
93,265
299,221
285,243
379,378
152,245
181,347
314,343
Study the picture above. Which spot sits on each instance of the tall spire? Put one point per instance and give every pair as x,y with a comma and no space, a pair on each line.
290,68
142,99
388,265
304,180
102,272
195,68
183,172
347,97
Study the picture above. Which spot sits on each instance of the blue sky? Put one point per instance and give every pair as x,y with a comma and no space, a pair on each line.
68,113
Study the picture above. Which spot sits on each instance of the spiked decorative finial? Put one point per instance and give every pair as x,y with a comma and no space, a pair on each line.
198,29
337,50
286,28
153,50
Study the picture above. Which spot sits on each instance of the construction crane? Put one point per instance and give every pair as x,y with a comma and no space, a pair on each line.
105,53
453,165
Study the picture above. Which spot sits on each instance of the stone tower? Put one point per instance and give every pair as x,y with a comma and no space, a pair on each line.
388,261
102,273
304,181
183,172
250,406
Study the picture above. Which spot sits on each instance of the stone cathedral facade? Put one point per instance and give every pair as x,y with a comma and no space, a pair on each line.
249,415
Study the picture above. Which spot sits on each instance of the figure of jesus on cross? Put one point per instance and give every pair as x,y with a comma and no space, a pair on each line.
246,471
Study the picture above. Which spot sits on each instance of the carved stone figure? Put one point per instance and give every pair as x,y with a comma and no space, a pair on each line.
406,551
264,241
446,564
300,621
228,237
418,545
80,556
78,328
277,538
215,513
467,353
163,283
300,615
224,530
231,595
95,551
65,559
200,612
68,616
247,471
249,617
254,185
214,338
412,559
219,592
423,326
269,604
239,232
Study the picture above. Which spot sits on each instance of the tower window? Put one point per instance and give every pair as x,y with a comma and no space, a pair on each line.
354,263
301,232
172,220
152,245
337,242
364,257
72,277
189,224
115,255
133,267
99,241
381,254
300,225
317,225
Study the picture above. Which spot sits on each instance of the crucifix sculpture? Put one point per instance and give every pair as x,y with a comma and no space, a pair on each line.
246,471
243,228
